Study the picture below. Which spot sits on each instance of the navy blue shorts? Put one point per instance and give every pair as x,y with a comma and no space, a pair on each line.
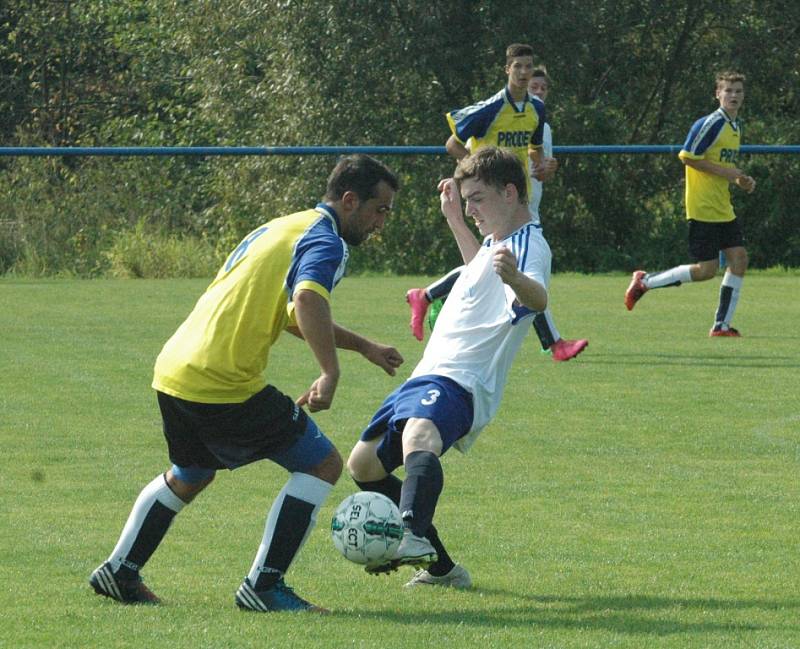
707,239
437,398
230,435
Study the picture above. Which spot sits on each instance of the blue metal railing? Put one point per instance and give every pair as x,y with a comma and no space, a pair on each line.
340,150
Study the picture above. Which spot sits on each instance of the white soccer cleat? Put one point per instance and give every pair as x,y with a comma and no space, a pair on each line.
458,577
413,550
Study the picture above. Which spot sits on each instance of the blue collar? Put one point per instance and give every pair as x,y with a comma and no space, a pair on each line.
327,209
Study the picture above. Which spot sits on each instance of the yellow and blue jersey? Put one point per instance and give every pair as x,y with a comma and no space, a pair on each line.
220,352
716,138
499,121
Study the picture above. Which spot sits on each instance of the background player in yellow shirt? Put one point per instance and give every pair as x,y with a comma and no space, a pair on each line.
710,155
510,119
218,410
492,122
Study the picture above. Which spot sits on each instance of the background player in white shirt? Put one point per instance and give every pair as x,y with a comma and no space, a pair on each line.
549,336
456,389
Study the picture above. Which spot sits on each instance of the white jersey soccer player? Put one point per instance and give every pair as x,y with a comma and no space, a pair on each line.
457,387
480,328
419,299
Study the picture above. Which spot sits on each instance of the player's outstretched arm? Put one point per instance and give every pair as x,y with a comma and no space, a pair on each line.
384,356
528,291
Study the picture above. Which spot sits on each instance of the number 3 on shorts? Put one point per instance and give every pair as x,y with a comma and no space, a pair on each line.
434,395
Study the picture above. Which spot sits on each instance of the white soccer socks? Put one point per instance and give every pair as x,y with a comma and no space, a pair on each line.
729,292
672,277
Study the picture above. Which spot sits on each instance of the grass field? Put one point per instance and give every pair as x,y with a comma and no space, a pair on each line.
643,495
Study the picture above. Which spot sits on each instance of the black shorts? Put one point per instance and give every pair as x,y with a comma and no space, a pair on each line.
230,435
707,239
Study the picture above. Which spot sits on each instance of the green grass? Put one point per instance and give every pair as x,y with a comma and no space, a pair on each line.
643,495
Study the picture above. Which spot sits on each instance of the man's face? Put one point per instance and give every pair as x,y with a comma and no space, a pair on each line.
369,216
487,206
519,70
538,87
731,96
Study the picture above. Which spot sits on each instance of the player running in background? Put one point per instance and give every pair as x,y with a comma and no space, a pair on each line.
467,127
218,410
456,389
549,336
710,155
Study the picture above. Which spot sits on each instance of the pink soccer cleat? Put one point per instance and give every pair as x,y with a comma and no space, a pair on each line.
635,290
419,304
721,330
563,350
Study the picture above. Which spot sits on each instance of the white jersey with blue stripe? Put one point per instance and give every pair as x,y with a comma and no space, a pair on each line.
482,325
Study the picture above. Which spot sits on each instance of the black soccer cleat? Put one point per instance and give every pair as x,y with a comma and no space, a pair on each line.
127,591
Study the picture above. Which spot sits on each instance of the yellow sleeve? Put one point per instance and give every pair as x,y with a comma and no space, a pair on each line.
685,155
451,123
307,285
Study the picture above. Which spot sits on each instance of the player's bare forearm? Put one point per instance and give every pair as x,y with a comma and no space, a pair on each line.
550,166
294,331
450,202
731,174
384,356
314,322
455,148
347,339
467,244
528,291
541,169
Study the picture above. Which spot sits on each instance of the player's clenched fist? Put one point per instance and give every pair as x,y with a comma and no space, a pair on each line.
505,264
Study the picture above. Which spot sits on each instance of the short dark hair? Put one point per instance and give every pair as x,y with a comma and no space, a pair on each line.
361,174
518,49
728,76
495,167
541,72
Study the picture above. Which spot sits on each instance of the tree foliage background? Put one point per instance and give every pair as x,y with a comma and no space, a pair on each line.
357,72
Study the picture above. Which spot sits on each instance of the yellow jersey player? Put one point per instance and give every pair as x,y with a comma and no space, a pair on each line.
510,119
710,156
218,410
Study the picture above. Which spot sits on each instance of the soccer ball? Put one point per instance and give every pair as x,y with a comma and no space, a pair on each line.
367,527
